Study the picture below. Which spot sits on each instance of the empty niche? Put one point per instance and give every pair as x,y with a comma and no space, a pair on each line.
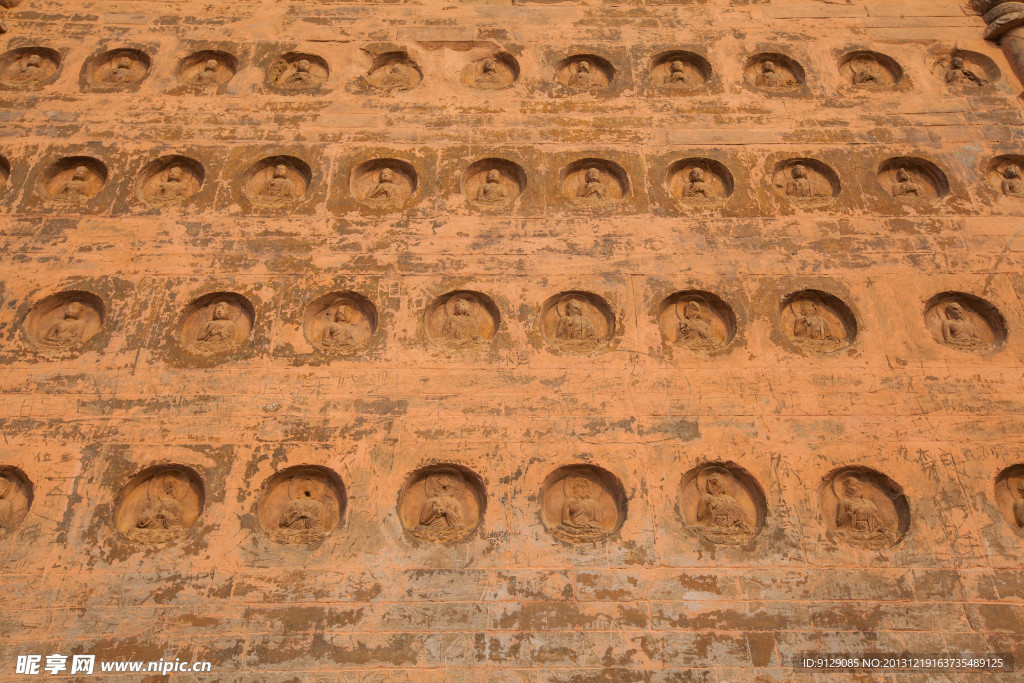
594,182
491,73
805,182
339,323
585,73
774,72
965,322
699,181
384,184
169,180
394,72
297,71
301,505
577,322
698,321
1004,174
680,72
461,320
207,69
277,182
870,70
817,321
217,323
159,504
864,508
73,180
582,503
29,67
963,71
15,499
64,321
493,183
1009,490
910,179
441,503
722,503
117,69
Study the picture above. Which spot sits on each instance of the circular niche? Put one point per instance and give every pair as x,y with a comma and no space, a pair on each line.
117,69
339,323
15,499
870,70
1005,175
817,322
5,172
1009,494
864,508
64,321
963,71
461,320
576,322
493,183
585,73
582,503
680,72
594,182
169,180
491,73
394,72
774,72
29,67
699,181
965,322
73,180
207,69
277,182
699,321
383,184
805,182
301,505
911,179
298,71
159,504
216,324
722,503
442,503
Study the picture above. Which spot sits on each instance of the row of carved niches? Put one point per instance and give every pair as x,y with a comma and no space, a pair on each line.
673,72
281,183
572,322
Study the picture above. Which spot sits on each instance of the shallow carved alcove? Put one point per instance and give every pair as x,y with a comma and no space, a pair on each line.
383,184
441,503
5,173
461,320
339,323
817,322
864,508
1004,173
965,322
394,72
699,321
301,505
1009,496
870,70
491,73
278,182
964,71
64,321
298,72
207,69
216,324
15,500
911,179
805,182
159,504
169,180
594,182
582,503
585,73
722,503
117,69
73,180
577,322
680,72
29,67
773,72
699,181
493,183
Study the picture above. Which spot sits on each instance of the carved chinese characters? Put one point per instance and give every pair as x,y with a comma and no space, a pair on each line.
910,180
383,184
73,181
493,183
680,72
722,503
216,324
298,72
207,71
965,322
117,69
461,320
159,505
870,70
817,322
65,321
1009,496
339,323
805,182
15,500
585,73
774,73
594,183
699,181
169,180
301,505
864,508
491,73
394,72
582,503
577,322
277,182
698,321
441,504
29,67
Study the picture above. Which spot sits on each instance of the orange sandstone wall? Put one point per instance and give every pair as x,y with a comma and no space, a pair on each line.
512,482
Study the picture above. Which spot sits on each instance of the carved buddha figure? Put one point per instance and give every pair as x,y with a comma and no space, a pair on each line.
304,511
208,74
959,74
865,72
220,330
302,76
678,74
958,330
31,70
396,77
584,78
698,187
489,75
718,511
858,519
343,330
810,325
573,325
386,191
7,488
122,71
280,187
70,329
461,325
905,186
799,184
1016,487
693,329
580,510
492,191
78,187
173,187
593,187
162,511
769,77
1012,185
442,509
